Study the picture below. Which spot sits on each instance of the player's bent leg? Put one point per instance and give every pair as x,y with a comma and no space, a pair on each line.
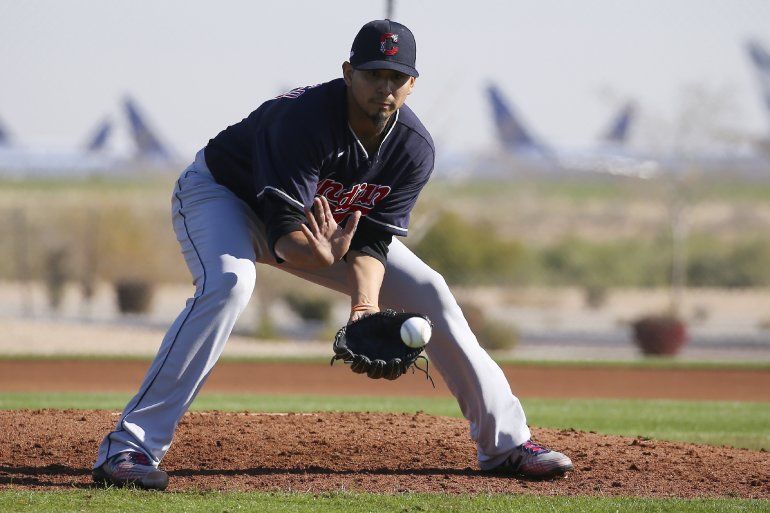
498,423
222,266
497,420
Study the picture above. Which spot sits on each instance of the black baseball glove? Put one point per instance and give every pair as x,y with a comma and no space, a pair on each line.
372,345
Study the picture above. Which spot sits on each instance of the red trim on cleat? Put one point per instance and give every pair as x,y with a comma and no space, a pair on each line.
130,468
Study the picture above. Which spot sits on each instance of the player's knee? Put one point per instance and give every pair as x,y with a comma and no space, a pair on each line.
233,288
437,288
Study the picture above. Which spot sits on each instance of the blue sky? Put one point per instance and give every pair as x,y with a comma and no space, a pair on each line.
197,66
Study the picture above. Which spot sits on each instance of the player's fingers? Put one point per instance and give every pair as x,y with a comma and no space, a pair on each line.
352,223
311,221
331,224
328,210
320,211
307,233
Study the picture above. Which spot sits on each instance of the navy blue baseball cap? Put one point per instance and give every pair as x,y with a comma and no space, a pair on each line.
384,44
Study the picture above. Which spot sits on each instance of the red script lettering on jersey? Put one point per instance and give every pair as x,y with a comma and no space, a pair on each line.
361,196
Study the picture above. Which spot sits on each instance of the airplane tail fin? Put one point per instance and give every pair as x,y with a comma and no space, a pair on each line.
5,138
760,58
101,135
617,133
510,130
148,144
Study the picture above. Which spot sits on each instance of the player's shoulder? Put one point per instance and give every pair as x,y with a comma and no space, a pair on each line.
414,129
305,110
324,97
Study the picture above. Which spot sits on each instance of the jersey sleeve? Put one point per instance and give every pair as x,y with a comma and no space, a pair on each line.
286,169
371,240
393,212
280,218
286,164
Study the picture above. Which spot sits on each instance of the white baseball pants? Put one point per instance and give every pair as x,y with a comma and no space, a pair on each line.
221,240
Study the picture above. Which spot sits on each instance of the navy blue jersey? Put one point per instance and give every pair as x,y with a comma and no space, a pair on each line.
299,145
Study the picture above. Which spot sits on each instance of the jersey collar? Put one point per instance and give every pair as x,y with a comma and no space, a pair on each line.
393,122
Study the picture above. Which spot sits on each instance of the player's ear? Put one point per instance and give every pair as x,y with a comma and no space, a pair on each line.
412,80
347,73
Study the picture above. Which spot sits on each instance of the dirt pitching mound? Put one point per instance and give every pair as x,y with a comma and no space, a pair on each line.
53,449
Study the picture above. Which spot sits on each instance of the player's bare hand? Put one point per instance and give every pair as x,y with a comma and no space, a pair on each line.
327,239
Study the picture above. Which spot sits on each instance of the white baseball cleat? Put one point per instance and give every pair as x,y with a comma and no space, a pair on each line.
532,460
131,468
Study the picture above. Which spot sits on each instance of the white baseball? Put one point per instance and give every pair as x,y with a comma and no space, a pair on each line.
416,332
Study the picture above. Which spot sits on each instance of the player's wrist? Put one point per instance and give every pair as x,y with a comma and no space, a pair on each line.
364,307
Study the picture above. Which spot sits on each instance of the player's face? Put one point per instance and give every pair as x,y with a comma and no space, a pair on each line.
378,92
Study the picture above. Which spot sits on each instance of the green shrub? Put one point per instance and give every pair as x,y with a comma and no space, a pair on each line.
744,264
471,254
626,263
309,308
113,234
136,244
490,333
635,263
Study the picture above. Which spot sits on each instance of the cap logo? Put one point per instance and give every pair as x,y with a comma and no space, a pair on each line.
389,43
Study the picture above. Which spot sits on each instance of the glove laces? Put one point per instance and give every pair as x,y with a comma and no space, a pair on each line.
425,370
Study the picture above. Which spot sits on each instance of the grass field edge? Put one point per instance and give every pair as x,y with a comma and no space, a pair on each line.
106,500
645,363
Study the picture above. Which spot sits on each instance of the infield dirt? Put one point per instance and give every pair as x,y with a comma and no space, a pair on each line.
53,449
318,378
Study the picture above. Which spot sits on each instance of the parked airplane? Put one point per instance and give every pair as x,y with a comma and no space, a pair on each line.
4,137
524,153
511,132
617,133
760,59
98,141
148,144
610,155
94,157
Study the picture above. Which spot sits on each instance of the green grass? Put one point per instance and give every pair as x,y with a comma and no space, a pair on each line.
342,502
86,185
598,188
575,190
601,189
740,424
641,363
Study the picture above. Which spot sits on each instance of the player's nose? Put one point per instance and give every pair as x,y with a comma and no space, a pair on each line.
386,86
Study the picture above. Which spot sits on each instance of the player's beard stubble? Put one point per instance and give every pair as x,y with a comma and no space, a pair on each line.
380,120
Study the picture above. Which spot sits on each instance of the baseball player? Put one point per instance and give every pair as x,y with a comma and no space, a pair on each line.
316,182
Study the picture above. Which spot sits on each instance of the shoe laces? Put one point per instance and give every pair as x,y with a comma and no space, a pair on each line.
137,458
534,448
